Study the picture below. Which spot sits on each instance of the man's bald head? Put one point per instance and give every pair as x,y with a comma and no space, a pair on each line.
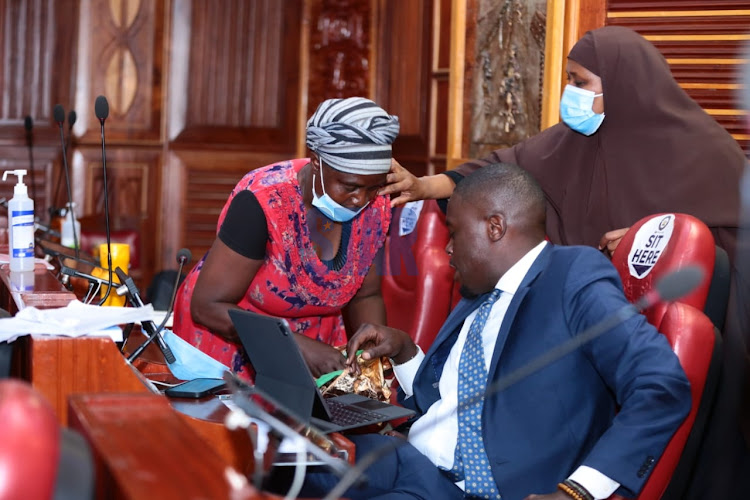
508,189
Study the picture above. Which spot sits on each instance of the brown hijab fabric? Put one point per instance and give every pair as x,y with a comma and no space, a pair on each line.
656,150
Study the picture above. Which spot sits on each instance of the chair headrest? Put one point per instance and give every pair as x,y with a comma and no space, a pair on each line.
659,244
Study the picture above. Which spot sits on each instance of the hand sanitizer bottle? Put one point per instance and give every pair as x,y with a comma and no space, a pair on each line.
69,225
20,225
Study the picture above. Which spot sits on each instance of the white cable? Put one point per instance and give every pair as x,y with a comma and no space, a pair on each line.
300,468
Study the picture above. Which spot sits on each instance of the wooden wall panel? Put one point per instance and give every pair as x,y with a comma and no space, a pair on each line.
121,57
45,162
405,62
703,44
38,59
197,184
662,5
133,177
234,74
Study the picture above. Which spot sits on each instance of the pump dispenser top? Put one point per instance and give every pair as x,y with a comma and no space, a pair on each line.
20,189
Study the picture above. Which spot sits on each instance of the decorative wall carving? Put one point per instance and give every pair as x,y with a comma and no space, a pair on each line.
339,50
508,65
121,56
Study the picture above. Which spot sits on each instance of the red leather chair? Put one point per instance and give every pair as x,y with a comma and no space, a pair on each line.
692,334
30,443
696,342
38,459
417,280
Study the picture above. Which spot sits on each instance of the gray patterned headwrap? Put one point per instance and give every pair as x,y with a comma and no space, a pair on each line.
353,135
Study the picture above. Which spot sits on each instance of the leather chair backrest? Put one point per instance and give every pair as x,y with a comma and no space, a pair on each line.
696,342
30,443
659,244
416,279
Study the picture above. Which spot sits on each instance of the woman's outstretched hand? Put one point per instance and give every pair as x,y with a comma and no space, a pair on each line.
412,188
404,183
320,357
611,239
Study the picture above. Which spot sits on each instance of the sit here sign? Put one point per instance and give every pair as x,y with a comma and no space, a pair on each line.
649,243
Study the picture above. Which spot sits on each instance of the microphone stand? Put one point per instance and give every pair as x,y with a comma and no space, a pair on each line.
28,124
134,298
101,108
59,114
183,257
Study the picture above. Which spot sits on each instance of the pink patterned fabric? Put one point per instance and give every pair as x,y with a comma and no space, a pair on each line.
293,283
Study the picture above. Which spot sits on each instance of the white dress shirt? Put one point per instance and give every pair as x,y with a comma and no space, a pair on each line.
435,433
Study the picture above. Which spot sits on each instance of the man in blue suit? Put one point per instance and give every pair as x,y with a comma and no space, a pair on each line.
591,423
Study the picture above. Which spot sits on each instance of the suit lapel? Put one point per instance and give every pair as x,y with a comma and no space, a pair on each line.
428,375
539,265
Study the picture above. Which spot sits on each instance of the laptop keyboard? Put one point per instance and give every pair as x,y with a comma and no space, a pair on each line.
342,414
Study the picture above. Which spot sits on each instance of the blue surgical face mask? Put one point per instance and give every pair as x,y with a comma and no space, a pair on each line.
190,362
576,110
330,208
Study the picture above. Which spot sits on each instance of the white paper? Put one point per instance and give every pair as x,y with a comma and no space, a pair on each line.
75,320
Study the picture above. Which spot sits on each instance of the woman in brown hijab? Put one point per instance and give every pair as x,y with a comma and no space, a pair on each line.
655,150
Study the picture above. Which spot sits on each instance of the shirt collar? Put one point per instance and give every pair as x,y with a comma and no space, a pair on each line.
511,280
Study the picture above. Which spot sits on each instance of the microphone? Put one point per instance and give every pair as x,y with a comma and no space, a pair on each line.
72,117
28,124
130,289
672,286
101,109
183,257
59,115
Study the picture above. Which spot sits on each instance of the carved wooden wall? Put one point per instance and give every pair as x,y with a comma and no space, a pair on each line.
202,92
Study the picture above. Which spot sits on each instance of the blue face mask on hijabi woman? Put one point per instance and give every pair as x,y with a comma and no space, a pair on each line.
328,206
576,110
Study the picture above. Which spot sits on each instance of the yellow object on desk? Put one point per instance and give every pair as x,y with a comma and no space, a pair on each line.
121,259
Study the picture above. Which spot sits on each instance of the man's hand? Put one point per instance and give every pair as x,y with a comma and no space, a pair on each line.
320,357
378,341
558,495
611,239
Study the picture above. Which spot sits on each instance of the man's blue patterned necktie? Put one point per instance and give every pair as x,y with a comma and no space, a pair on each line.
470,462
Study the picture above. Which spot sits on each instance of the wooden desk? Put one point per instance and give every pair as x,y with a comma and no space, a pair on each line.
45,290
106,393
144,450
60,366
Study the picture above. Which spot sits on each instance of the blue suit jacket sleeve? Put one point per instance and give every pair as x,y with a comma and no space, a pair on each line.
638,365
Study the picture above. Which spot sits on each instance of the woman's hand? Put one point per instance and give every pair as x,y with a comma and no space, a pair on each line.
320,357
412,188
611,239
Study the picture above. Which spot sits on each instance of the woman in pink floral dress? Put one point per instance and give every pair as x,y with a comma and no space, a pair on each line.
298,240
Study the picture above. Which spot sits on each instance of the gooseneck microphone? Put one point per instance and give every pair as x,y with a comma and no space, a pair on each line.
129,288
28,124
183,257
59,114
72,117
101,109
672,286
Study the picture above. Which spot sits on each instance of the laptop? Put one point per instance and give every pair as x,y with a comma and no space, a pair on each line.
281,372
